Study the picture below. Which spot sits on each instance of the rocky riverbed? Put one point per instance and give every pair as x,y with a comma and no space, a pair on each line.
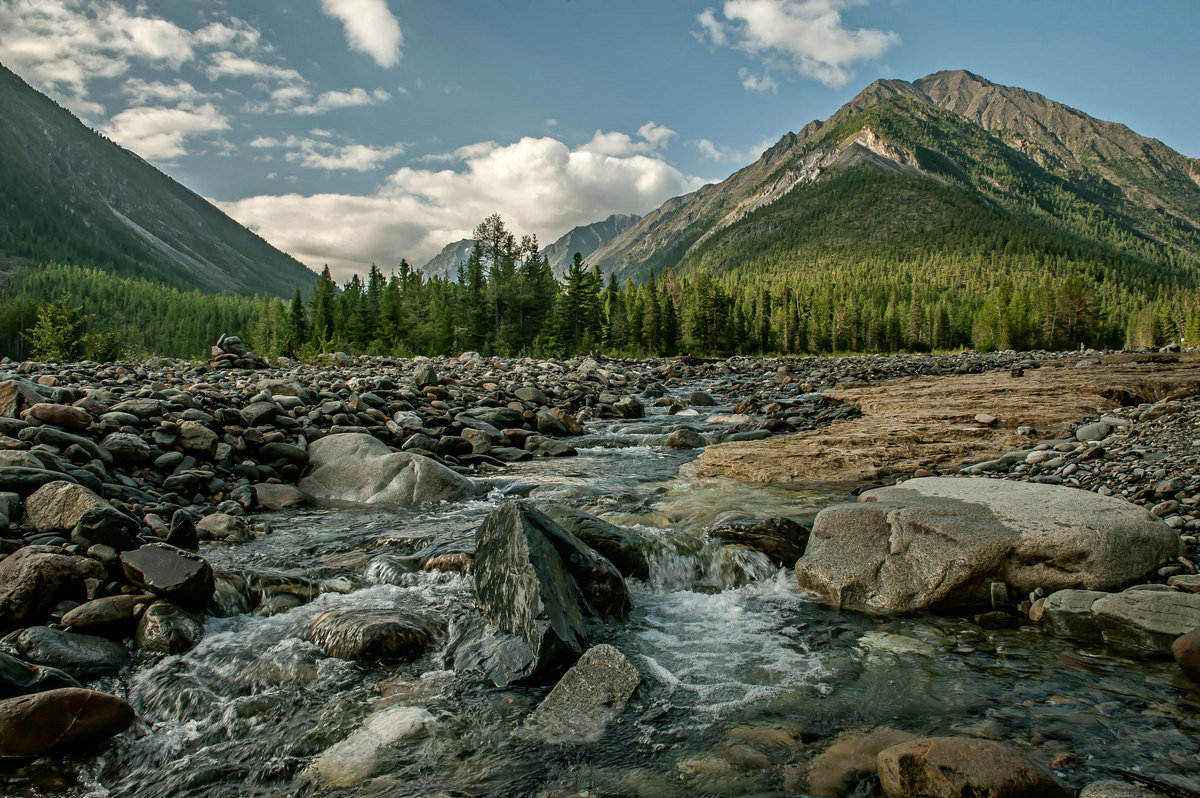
163,520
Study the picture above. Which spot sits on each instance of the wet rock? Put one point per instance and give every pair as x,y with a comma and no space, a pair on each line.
33,580
1146,621
962,767
126,449
568,421
170,573
111,616
587,697
685,438
82,656
629,407
104,526
701,399
624,548
224,527
59,506
1186,650
274,452
61,719
367,635
940,542
360,468
21,678
541,446
182,534
851,759
458,561
271,496
781,539
549,425
167,628
365,752
1068,613
541,584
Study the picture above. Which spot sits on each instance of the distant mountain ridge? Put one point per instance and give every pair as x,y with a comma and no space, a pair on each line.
69,195
1010,148
584,239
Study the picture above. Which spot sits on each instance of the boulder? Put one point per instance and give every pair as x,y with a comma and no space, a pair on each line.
24,480
17,395
170,573
61,719
549,425
167,628
65,416
33,580
542,446
1068,613
541,584
1186,650
685,438
58,506
355,467
940,542
364,753
21,678
1146,621
568,421
624,548
781,539
285,452
111,616
195,437
83,656
851,756
126,449
368,635
587,697
425,375
278,496
224,527
629,407
963,767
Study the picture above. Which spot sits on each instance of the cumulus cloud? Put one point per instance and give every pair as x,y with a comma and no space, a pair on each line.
63,44
143,92
650,137
807,37
539,185
722,154
160,133
321,154
371,28
228,64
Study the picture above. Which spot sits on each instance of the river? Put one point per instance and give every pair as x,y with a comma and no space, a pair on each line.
745,677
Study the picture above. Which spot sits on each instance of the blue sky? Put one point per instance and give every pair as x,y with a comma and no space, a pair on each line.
349,132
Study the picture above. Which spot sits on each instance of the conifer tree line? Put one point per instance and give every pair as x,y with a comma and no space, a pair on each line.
506,301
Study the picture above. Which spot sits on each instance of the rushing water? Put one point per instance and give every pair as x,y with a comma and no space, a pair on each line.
746,678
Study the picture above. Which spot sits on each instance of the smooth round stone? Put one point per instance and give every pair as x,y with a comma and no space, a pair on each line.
82,656
60,719
371,634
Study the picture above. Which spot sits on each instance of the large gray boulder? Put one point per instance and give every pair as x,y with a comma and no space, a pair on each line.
58,506
34,579
587,697
1146,621
356,467
540,587
941,542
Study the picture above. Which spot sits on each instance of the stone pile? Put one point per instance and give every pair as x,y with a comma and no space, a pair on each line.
230,353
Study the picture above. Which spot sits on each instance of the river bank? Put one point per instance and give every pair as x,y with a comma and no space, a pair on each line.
745,680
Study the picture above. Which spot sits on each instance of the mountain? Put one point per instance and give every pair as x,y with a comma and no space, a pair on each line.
69,195
445,264
584,239
950,166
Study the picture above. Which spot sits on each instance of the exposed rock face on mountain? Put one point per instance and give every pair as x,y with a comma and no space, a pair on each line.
70,195
1008,148
584,239
445,264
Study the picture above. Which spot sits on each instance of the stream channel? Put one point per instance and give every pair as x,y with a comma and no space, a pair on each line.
745,677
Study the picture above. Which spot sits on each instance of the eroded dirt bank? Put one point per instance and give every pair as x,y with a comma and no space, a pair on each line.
929,422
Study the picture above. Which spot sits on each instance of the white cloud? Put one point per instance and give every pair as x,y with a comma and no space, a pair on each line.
539,185
63,44
331,100
371,28
650,137
803,36
159,133
319,154
143,92
722,154
227,64
758,83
